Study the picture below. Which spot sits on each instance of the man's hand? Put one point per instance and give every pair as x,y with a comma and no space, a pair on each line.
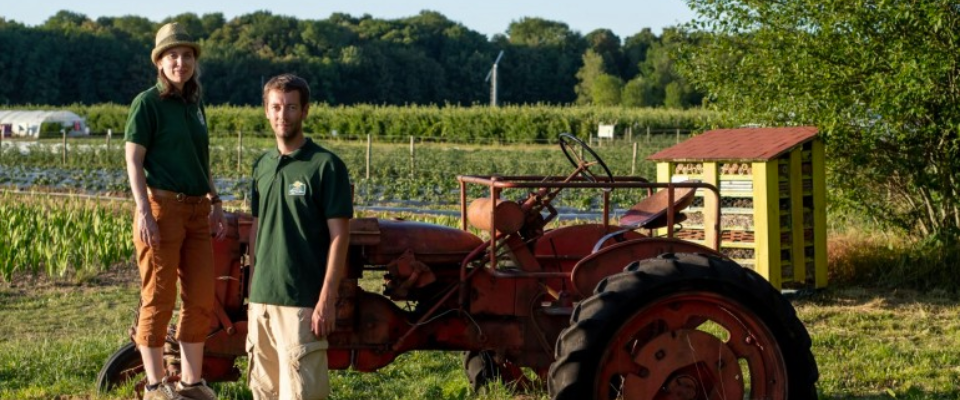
324,319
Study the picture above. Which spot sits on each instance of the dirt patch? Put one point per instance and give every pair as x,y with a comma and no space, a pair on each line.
118,275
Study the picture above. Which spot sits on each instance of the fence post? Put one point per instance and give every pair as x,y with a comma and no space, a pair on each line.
648,134
63,151
369,150
413,162
678,135
240,152
633,162
106,140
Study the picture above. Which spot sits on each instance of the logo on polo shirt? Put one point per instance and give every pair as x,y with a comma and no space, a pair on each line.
297,189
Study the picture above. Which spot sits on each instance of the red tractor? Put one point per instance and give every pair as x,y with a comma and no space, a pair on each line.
597,310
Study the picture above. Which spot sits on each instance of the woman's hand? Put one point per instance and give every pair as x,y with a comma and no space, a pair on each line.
147,228
218,223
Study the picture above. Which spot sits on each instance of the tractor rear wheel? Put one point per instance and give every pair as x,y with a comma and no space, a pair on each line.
687,327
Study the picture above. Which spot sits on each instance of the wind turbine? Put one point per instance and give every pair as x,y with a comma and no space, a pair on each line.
492,77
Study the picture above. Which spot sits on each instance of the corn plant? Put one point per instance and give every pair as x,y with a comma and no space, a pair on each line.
58,236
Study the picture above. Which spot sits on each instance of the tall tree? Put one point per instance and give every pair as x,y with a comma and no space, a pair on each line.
605,43
879,78
658,72
635,51
587,76
542,64
606,90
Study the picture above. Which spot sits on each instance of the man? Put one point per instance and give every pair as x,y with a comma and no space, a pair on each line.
301,207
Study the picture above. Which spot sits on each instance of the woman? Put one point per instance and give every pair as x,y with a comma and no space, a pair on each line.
168,164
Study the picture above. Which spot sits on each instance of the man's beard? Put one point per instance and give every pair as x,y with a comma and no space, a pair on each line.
289,134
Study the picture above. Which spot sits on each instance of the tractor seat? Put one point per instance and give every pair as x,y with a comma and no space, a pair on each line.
651,212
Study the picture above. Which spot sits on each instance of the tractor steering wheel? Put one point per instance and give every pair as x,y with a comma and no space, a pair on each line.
582,160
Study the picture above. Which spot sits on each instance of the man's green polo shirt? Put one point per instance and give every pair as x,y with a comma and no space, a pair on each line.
175,135
293,196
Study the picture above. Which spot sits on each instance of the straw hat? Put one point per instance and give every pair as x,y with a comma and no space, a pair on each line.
173,35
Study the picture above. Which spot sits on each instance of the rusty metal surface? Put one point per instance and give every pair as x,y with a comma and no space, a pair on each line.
364,231
757,144
430,243
651,212
612,260
507,215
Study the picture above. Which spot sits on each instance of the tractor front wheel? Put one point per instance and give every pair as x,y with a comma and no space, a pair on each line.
684,327
483,369
125,364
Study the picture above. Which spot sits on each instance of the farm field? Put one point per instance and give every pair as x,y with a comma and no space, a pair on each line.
427,175
67,289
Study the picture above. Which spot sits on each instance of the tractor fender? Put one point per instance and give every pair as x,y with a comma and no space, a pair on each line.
613,259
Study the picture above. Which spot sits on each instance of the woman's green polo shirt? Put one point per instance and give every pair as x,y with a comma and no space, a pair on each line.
292,197
174,132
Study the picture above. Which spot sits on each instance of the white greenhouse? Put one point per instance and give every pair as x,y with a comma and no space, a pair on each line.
27,123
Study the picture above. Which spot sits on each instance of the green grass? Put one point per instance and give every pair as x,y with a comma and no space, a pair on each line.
54,338
873,344
870,343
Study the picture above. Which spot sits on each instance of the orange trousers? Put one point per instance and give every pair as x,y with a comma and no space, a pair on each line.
185,253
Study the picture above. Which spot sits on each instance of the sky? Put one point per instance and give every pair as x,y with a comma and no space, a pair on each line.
623,17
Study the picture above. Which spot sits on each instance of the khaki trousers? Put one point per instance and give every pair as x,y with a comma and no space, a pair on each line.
185,253
287,362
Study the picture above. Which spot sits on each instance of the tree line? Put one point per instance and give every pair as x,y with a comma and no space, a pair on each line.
423,59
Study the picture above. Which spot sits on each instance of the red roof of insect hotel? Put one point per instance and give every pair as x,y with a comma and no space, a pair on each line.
756,144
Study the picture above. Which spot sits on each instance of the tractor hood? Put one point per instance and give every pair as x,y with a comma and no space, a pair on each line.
430,243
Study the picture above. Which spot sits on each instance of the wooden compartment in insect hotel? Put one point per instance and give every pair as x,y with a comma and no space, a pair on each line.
772,199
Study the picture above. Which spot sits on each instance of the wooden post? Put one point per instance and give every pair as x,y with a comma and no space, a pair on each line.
413,163
678,135
630,133
633,163
63,151
648,134
369,151
711,221
240,152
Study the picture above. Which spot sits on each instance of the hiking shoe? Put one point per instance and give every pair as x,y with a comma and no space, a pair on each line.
164,392
198,392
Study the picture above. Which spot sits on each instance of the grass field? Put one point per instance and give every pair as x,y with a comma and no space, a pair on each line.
869,344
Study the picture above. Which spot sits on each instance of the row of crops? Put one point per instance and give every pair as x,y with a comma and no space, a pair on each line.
476,124
62,235
57,235
383,173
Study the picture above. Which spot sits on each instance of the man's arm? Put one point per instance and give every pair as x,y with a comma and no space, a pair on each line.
325,312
